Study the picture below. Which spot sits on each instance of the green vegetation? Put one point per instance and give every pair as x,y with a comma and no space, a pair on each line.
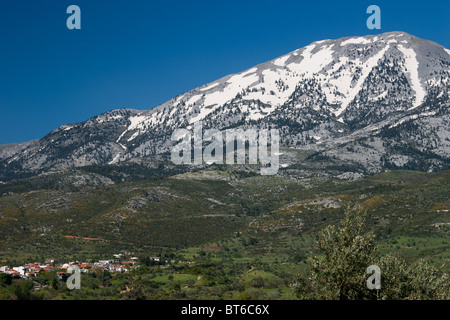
263,230
341,273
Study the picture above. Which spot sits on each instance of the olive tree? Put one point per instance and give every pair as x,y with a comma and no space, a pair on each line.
340,273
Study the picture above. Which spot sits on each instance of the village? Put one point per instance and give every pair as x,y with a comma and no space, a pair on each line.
119,263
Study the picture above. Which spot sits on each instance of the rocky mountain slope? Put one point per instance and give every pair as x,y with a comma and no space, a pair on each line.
357,104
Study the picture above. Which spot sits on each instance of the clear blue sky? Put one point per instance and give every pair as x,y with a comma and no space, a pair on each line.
141,53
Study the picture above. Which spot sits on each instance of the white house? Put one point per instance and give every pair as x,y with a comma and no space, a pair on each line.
71,268
51,260
21,270
116,268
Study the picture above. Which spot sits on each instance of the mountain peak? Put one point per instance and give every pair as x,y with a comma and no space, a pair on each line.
343,88
273,82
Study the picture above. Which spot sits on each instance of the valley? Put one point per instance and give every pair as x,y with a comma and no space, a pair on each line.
223,235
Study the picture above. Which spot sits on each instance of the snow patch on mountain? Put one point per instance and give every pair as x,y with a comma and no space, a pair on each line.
356,41
412,66
369,65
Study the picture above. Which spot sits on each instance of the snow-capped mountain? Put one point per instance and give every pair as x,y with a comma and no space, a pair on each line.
373,102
